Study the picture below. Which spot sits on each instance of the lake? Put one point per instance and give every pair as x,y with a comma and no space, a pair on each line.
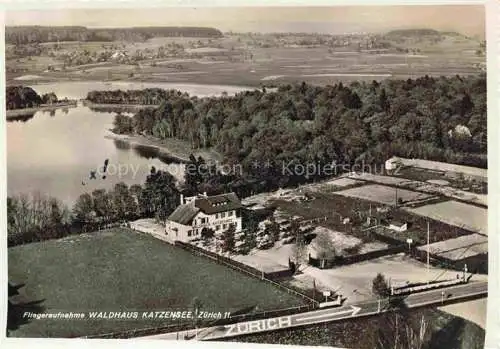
53,153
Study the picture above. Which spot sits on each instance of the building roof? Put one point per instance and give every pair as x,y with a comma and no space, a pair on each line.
218,203
184,214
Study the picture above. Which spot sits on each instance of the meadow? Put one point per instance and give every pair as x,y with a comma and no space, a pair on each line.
238,59
383,194
120,270
456,213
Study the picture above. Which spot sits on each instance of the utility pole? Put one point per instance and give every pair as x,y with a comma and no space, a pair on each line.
428,240
314,289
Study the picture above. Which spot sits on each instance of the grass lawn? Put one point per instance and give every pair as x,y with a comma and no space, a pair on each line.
383,194
120,270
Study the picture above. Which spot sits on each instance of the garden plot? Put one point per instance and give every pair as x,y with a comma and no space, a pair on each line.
446,167
333,185
453,193
380,179
383,194
264,198
271,260
459,248
456,213
343,182
329,243
428,187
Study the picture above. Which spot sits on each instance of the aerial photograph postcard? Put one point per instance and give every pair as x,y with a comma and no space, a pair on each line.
300,175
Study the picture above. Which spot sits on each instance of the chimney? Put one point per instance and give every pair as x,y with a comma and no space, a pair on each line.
182,199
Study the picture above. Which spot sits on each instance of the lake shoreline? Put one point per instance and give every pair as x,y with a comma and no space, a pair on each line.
174,148
116,106
13,113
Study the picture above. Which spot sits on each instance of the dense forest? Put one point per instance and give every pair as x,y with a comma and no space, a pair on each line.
19,97
442,119
18,35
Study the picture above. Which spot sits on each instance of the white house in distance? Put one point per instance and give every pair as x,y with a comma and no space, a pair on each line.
197,212
398,226
393,164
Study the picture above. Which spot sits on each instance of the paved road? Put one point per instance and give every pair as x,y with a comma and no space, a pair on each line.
357,310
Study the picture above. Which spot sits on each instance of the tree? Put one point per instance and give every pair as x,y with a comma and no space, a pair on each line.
84,208
207,234
380,287
160,195
300,248
49,98
250,239
273,230
102,205
196,306
123,202
56,214
228,239
325,246
123,124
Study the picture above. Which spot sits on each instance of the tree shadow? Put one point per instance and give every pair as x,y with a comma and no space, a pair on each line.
448,336
17,312
397,303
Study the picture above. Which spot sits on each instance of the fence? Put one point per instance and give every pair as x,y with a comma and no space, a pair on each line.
324,263
475,264
386,239
424,287
247,269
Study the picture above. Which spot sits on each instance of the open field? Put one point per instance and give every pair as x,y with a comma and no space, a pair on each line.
474,311
250,61
120,270
441,179
456,213
427,187
333,185
328,241
383,194
354,281
475,172
459,248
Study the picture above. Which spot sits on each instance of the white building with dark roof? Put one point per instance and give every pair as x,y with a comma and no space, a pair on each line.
194,213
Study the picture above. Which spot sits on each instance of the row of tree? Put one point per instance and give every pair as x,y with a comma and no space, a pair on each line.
18,97
38,217
158,197
19,35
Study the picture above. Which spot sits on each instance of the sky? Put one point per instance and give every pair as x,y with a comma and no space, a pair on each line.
466,19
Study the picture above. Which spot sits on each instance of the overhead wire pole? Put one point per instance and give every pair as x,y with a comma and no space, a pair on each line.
428,270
